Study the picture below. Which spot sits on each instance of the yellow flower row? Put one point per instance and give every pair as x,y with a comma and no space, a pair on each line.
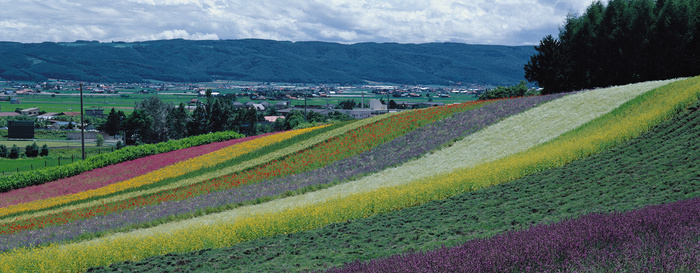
175,170
636,116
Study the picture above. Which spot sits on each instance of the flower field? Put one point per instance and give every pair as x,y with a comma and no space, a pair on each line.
169,171
111,174
364,169
389,154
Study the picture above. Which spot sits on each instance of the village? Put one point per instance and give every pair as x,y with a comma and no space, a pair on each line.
35,99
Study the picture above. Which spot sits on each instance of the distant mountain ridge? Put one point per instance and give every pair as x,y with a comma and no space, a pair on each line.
265,60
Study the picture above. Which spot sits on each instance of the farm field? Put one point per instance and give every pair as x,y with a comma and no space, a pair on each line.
620,179
544,136
69,101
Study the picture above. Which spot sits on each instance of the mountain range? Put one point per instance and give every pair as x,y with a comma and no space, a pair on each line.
264,60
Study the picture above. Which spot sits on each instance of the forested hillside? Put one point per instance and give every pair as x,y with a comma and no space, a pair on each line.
264,60
618,43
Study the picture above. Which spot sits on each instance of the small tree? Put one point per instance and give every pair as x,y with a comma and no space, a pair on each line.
31,150
348,104
3,151
99,140
44,150
14,152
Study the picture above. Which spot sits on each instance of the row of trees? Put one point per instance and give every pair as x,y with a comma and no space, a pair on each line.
32,150
500,92
622,42
154,121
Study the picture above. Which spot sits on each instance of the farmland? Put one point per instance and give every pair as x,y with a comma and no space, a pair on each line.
325,200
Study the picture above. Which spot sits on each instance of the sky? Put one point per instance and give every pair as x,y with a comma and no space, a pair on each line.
496,22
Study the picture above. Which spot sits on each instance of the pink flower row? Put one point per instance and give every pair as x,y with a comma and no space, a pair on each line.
111,174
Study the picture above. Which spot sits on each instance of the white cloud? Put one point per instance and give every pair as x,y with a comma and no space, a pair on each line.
179,34
347,21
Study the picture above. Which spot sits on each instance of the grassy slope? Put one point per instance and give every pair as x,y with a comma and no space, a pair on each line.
658,167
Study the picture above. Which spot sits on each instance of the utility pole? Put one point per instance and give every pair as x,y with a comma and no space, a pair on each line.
82,123
387,102
306,118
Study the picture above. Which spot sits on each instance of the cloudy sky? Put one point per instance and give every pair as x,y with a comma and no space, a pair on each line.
503,22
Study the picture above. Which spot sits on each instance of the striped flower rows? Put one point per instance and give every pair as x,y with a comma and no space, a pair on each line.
346,201
360,139
169,171
111,174
397,151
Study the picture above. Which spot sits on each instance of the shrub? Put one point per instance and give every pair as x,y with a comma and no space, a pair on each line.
99,140
14,152
44,150
3,151
32,150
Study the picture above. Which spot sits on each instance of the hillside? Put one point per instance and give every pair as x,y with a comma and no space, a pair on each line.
265,60
619,179
325,196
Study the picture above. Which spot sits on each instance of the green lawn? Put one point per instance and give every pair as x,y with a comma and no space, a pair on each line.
68,152
51,144
69,102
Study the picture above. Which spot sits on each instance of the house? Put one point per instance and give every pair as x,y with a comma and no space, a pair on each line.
272,119
60,125
376,105
34,111
237,105
8,114
71,114
259,107
15,101
281,105
97,113
359,114
48,115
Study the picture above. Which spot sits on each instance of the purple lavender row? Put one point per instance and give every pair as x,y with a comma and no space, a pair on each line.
660,238
395,152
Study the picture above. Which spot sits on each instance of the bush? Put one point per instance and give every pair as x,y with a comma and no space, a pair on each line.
99,140
44,150
32,150
14,152
120,145
3,151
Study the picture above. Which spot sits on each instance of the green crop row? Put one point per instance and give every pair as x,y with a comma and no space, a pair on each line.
25,179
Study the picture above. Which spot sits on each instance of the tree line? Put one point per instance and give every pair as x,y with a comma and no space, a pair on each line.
622,42
154,121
